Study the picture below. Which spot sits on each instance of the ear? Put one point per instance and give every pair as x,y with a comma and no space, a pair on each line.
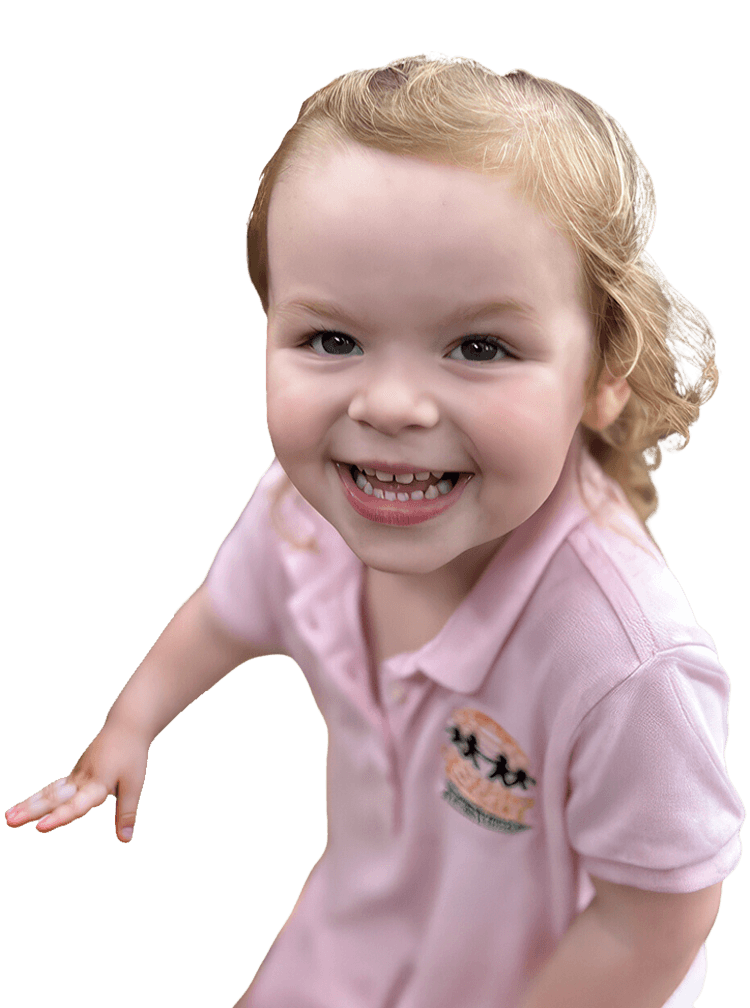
606,402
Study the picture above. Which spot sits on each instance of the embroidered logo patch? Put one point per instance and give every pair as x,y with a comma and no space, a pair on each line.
487,773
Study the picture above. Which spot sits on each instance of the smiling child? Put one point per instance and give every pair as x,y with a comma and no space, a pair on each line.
470,366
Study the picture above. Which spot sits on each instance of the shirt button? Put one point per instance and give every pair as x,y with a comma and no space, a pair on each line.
398,692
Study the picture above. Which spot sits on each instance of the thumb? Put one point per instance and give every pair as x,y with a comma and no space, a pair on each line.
127,793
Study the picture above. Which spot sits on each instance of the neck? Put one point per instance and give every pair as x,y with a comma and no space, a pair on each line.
450,583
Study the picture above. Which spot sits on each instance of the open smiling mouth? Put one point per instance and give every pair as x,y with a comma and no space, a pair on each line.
401,498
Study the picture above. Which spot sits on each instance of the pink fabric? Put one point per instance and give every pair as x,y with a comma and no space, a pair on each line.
570,718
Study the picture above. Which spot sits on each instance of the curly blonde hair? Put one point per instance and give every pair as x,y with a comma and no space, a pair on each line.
572,161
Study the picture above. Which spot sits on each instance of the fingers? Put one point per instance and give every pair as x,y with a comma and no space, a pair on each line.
114,763
84,799
56,805
128,793
41,803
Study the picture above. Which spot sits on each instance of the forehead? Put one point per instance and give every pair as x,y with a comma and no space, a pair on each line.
348,210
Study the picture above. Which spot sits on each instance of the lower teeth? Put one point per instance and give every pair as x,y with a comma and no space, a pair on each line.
434,490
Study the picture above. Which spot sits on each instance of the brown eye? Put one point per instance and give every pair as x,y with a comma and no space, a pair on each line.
330,343
479,348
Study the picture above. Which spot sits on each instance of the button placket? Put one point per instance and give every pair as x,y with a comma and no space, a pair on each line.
397,692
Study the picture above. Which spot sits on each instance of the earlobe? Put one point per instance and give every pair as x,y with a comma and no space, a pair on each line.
607,403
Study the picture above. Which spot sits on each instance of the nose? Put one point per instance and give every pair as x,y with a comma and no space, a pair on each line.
390,402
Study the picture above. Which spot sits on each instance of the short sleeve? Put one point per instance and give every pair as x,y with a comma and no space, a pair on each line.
650,803
246,581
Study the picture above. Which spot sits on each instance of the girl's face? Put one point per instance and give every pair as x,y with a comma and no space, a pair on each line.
422,319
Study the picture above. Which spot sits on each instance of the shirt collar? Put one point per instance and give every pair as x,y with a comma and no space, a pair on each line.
462,653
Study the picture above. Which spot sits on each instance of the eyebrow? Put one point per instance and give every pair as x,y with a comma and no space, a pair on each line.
469,313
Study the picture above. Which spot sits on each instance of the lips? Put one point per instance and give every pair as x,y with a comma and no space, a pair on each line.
399,512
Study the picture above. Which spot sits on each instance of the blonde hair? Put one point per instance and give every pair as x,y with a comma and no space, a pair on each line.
571,160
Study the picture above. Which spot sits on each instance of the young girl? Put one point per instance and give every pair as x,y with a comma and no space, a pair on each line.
470,367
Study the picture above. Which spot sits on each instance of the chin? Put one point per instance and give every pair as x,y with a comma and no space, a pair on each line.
404,561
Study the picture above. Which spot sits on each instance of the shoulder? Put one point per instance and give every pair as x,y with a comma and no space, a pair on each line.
608,572
606,606
279,515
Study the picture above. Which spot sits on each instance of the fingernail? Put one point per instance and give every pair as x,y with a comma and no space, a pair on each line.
126,832
43,822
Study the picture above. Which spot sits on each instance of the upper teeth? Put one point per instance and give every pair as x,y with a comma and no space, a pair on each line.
386,477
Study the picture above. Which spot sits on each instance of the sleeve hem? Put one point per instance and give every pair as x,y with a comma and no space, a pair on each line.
688,878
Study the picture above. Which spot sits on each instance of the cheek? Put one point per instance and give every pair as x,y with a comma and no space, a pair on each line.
536,414
286,384
288,422
299,418
522,440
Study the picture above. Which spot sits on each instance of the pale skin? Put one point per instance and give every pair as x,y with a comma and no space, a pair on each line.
630,948
397,249
404,260
425,241
192,654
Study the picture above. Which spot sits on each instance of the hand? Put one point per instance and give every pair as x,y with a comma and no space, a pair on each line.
114,764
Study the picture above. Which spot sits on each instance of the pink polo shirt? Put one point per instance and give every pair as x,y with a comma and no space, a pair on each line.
569,718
